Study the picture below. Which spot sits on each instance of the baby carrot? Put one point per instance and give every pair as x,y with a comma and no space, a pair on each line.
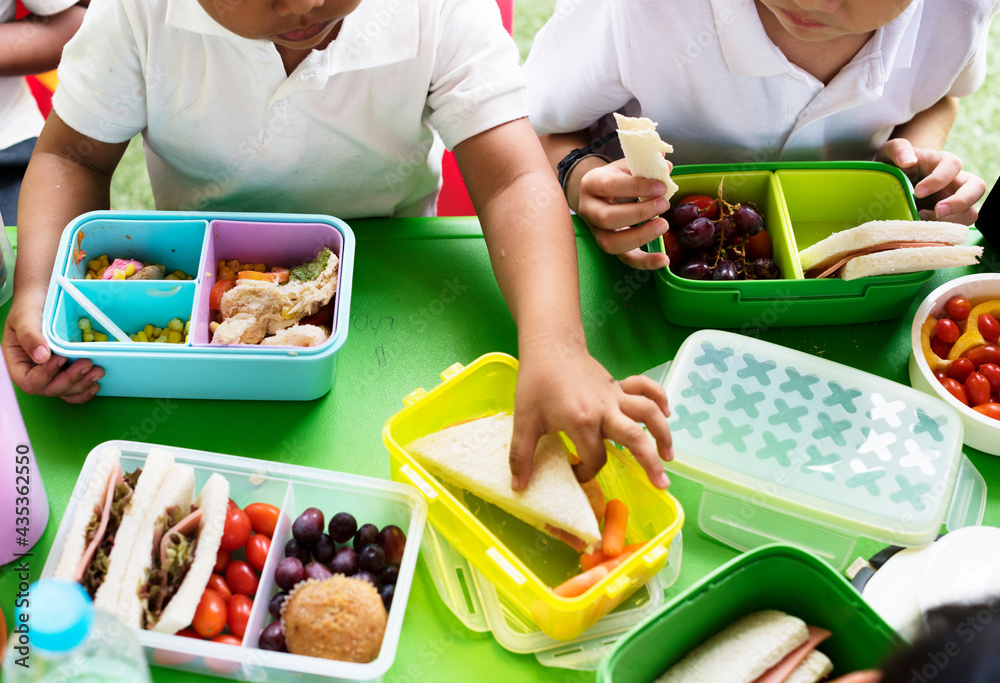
581,583
615,519
591,560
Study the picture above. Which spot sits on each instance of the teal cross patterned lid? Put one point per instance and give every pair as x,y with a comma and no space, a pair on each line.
812,437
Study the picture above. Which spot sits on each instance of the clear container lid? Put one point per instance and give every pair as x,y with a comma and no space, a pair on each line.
813,438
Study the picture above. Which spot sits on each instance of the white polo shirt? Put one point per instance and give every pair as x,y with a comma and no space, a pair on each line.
19,115
348,133
721,91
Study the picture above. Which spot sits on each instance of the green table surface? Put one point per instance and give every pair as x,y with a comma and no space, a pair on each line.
424,298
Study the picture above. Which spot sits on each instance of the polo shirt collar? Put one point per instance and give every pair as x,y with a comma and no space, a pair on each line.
749,52
377,33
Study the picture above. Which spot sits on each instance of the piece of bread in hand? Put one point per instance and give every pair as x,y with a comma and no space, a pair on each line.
644,150
475,456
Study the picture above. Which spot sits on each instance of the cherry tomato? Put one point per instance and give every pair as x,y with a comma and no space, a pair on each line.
672,249
989,327
232,504
992,373
940,348
222,560
210,616
759,246
958,308
189,633
238,614
960,369
953,387
242,578
171,658
256,549
263,518
977,389
227,639
989,410
983,354
219,585
707,206
940,374
947,331
237,529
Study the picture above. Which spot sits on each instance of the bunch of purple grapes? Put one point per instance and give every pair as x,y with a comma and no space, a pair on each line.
707,249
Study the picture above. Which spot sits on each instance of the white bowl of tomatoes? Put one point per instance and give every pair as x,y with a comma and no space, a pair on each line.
955,354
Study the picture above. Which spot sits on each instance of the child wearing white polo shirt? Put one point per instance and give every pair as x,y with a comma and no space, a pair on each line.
742,81
30,45
327,106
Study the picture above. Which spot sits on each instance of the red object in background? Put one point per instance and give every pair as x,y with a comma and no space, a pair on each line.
453,200
42,94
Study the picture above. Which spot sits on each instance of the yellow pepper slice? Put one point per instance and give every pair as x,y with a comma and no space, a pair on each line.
972,337
926,331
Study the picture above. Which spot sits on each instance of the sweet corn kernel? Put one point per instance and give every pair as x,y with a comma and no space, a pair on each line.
175,324
84,323
100,336
259,267
233,265
157,331
88,336
148,329
180,274
170,277
118,275
286,312
130,270
174,337
141,336
187,327
103,258
162,339
213,326
89,275
100,273
94,264
134,337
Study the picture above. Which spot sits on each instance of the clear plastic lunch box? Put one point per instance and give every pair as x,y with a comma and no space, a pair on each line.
777,577
292,488
801,203
192,242
477,604
793,448
520,561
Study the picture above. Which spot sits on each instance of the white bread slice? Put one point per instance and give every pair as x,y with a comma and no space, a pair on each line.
911,260
814,668
94,496
742,651
644,150
840,244
213,502
116,593
475,457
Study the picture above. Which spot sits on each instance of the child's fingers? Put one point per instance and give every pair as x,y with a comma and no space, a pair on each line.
943,174
600,212
960,206
69,381
644,260
626,239
898,152
642,409
615,182
590,447
623,430
640,385
522,450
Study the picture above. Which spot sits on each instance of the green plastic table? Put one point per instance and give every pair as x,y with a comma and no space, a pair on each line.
424,298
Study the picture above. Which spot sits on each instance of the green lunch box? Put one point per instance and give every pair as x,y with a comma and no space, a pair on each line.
771,577
801,203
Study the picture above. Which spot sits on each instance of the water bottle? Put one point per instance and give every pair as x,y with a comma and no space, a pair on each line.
59,637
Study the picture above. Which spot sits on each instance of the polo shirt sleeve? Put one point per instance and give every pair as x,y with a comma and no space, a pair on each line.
572,73
47,8
476,82
973,74
102,84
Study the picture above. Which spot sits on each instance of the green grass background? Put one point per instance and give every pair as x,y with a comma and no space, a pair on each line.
975,137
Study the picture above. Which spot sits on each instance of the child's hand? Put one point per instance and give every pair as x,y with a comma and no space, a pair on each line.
608,205
561,387
938,176
36,369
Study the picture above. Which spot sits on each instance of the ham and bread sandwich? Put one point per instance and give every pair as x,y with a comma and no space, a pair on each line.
644,150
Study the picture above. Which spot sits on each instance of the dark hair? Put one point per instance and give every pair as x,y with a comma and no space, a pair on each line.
962,646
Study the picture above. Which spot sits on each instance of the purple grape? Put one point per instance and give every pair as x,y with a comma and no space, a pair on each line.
345,561
274,607
372,559
389,575
748,221
342,527
764,269
726,270
367,576
682,215
366,535
273,638
695,270
288,573
393,542
308,526
697,234
729,232
315,570
323,549
387,592
294,549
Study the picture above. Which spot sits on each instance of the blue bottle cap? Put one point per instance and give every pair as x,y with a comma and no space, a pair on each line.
59,614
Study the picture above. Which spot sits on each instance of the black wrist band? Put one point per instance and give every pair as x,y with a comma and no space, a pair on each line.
577,155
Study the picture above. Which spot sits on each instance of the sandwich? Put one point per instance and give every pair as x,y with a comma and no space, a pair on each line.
475,456
106,521
884,247
763,647
644,150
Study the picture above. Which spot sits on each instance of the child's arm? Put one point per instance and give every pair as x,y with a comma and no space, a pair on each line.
604,196
530,238
69,174
34,44
916,146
